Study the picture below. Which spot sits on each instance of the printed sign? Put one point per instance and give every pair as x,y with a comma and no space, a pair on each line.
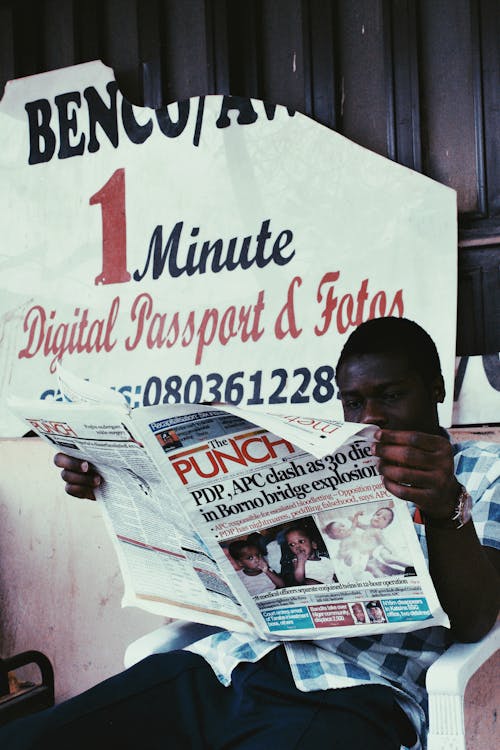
215,249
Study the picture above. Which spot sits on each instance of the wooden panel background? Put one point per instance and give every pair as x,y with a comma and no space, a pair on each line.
415,80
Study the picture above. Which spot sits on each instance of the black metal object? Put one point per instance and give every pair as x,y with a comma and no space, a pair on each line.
478,300
29,699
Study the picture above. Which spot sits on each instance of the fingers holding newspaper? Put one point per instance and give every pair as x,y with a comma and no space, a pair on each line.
418,467
80,476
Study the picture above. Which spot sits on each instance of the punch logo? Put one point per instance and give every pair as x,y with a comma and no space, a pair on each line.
52,428
245,450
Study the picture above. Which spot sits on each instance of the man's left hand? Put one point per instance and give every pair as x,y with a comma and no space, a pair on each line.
418,467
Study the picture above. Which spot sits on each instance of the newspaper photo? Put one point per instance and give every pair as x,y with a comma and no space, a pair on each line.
244,519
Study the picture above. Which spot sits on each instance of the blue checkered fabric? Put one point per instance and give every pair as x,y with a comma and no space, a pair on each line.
399,660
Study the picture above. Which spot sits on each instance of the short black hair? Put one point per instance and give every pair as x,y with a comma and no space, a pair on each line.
302,529
236,548
393,335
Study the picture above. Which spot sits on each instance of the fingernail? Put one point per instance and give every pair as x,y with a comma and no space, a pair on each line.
84,466
97,481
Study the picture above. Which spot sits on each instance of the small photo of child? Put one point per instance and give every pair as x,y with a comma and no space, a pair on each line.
288,554
366,544
252,568
310,561
348,548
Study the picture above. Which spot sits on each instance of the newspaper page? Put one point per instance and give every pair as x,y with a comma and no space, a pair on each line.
166,567
246,519
312,544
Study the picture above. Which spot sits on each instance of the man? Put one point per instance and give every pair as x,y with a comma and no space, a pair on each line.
375,612
229,690
358,612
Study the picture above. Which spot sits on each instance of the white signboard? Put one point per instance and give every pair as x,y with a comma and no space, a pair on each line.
215,249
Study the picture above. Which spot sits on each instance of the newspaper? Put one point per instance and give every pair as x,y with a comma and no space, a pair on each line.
270,523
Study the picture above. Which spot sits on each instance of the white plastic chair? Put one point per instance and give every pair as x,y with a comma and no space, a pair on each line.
446,682
171,637
446,679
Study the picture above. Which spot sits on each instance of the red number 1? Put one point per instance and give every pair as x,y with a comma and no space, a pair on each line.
114,230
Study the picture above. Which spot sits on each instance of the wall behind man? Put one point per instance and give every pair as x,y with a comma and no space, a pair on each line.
60,585
415,81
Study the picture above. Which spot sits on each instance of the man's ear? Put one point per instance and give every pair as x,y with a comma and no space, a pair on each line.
438,390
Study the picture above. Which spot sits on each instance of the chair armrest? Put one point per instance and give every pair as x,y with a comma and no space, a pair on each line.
171,637
450,673
446,681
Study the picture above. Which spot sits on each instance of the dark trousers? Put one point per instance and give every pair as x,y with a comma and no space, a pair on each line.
174,700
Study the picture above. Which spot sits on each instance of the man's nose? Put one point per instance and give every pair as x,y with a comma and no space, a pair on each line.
373,413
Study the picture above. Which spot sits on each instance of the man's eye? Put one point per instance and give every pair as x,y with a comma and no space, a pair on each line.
393,396
352,403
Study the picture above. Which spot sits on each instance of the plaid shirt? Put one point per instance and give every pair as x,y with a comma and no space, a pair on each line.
399,660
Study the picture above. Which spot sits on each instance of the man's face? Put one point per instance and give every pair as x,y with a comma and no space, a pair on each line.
358,612
382,389
376,614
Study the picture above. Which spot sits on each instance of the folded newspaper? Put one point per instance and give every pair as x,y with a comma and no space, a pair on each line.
275,524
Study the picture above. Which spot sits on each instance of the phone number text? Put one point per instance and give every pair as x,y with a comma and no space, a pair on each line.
300,386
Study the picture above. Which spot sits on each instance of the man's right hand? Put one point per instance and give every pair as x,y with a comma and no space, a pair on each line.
80,476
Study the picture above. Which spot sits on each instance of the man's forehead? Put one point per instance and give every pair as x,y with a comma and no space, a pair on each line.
374,369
